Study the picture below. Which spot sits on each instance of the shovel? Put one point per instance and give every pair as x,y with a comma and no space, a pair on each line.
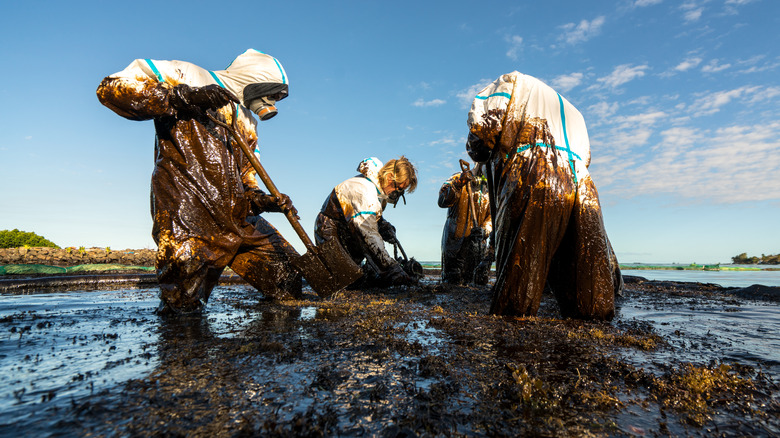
327,268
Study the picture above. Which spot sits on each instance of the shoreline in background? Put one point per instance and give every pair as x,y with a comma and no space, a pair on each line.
666,266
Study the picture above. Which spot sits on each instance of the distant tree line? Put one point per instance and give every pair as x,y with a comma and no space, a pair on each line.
743,259
16,238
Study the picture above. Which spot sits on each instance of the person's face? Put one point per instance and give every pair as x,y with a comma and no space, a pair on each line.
390,185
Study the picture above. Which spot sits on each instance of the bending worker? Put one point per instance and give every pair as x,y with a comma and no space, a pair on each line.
352,213
205,196
546,211
466,256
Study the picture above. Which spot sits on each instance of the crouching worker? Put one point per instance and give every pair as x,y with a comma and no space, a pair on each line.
205,196
547,216
466,256
352,213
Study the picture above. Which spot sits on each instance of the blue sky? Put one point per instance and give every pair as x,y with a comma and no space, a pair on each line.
680,98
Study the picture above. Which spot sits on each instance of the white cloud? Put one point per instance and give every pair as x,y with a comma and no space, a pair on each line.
446,140
688,64
566,82
641,3
603,110
515,43
577,33
714,67
711,103
623,74
691,11
467,96
738,2
737,163
423,103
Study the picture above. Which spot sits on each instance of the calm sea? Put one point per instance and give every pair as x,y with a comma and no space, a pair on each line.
722,278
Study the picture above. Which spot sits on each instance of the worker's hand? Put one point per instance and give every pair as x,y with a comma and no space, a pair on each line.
462,179
396,276
285,204
262,202
387,231
209,97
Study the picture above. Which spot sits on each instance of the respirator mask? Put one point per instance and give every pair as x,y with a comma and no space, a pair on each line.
393,197
264,107
261,98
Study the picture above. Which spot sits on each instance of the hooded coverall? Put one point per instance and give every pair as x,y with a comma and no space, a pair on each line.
352,214
201,178
546,211
465,254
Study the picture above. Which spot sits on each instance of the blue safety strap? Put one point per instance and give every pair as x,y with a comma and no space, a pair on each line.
570,153
566,139
154,70
375,186
507,95
360,213
216,78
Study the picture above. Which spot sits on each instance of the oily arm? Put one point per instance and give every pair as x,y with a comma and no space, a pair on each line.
136,99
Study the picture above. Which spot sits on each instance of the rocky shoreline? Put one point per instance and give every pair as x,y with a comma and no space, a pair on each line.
76,256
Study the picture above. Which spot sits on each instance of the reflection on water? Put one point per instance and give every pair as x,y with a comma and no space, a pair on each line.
722,278
744,332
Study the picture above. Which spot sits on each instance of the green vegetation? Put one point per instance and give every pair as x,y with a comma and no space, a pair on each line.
743,259
16,238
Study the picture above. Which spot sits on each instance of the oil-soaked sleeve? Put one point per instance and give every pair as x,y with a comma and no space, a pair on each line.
248,172
448,195
135,99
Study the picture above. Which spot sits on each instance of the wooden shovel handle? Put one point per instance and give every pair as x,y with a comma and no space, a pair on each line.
264,177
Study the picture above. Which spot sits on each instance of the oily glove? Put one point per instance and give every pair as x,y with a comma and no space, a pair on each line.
261,202
462,179
387,231
209,97
396,276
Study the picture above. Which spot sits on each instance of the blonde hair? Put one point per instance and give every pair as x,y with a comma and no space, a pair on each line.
402,171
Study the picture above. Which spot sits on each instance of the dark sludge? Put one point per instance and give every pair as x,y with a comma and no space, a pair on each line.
678,359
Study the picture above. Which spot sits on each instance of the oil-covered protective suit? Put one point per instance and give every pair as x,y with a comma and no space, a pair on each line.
547,216
352,213
203,188
466,255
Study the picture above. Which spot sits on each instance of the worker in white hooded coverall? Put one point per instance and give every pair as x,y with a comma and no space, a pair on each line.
352,214
546,213
205,198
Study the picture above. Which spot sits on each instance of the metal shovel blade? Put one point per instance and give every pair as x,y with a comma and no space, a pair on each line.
328,268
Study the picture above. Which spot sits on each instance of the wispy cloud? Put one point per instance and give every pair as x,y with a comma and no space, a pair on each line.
567,82
643,3
576,33
711,103
515,44
623,74
426,103
691,11
467,96
602,110
688,64
714,67
732,164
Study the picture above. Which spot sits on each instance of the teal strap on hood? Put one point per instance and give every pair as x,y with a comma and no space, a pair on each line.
216,78
154,69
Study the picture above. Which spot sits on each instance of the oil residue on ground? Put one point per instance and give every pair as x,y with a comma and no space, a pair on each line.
679,359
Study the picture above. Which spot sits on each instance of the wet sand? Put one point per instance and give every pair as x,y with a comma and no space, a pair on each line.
414,361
